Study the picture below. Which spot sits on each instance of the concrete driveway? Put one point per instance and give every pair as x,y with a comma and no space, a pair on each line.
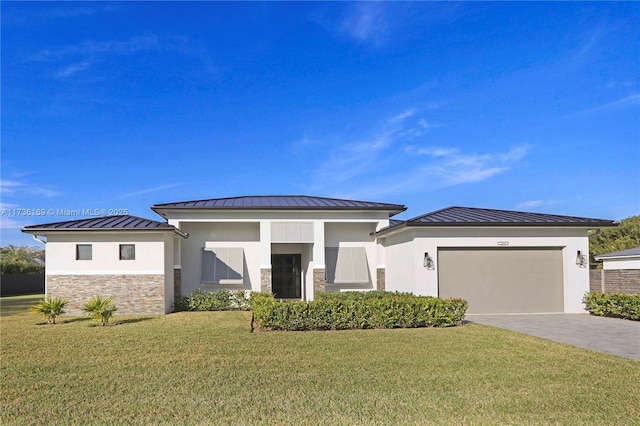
609,335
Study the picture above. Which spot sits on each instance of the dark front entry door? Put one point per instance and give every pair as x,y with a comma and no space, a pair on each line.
285,276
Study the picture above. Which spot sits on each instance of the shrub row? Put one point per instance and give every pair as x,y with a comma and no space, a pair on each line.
619,305
221,300
359,295
356,311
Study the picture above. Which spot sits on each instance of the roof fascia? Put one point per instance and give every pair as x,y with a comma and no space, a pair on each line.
46,231
624,256
165,211
406,225
588,225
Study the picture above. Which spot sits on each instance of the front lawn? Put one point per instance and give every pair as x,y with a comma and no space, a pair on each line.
207,368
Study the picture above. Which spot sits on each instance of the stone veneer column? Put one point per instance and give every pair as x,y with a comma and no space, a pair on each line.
381,278
177,283
318,280
265,280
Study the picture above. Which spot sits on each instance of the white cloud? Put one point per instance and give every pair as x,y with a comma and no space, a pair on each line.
74,68
353,159
149,190
534,204
17,188
365,22
10,223
630,101
381,165
84,56
433,151
399,118
442,167
79,11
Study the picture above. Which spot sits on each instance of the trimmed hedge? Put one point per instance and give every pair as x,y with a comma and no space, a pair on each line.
221,300
355,310
617,305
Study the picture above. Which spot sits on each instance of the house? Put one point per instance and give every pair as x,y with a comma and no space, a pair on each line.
623,259
620,272
294,246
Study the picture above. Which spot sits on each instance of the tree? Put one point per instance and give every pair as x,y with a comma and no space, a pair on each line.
20,260
621,237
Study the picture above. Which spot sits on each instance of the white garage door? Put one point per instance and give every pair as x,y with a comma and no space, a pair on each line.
503,280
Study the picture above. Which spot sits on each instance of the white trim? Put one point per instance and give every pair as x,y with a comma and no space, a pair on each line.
177,266
625,257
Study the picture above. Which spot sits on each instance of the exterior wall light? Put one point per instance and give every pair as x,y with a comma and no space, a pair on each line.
581,260
428,262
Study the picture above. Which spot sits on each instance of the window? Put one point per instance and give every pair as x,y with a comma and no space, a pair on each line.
127,252
83,252
222,265
347,265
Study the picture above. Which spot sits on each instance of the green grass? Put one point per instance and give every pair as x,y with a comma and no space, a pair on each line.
207,368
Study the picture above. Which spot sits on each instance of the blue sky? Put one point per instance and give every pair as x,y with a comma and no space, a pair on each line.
525,106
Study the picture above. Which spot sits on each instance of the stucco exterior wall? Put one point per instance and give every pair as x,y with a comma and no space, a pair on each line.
61,253
142,285
252,232
405,254
217,235
169,276
621,263
345,234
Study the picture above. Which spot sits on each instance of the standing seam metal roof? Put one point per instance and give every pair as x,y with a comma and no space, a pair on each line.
635,251
293,202
120,222
478,216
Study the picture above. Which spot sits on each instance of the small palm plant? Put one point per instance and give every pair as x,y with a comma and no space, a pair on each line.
100,309
50,308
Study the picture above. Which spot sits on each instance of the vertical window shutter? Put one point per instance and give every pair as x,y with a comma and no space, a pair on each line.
360,266
236,264
224,265
221,267
331,262
208,266
347,265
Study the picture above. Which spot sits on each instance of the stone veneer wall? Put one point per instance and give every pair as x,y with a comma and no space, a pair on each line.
177,283
265,280
381,278
615,280
319,284
133,294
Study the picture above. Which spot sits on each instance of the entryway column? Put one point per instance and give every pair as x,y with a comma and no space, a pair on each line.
318,259
265,256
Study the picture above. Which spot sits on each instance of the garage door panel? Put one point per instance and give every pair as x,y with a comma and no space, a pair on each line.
503,280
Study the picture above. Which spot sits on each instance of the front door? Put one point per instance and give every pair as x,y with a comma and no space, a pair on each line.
285,276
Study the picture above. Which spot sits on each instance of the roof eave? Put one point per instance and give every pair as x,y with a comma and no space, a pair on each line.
624,257
589,225
44,231
392,212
